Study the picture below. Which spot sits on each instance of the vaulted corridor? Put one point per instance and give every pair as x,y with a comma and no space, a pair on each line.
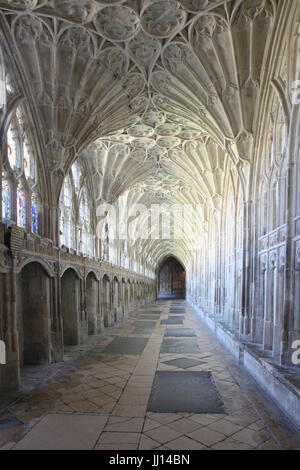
150,223
115,396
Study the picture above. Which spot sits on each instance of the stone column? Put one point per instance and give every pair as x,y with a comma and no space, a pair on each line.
83,323
270,299
14,326
58,351
288,333
11,371
53,230
245,313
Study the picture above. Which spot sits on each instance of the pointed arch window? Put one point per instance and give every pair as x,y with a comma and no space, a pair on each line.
21,206
12,149
76,172
66,214
34,214
29,164
84,225
75,213
6,199
20,183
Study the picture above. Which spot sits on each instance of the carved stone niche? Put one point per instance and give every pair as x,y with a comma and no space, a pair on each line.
273,260
274,239
263,243
282,235
263,263
282,258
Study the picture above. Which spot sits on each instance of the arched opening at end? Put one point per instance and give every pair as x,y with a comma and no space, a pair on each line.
106,302
171,279
70,305
92,304
34,294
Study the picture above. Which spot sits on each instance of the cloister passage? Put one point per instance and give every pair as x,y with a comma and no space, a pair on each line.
149,189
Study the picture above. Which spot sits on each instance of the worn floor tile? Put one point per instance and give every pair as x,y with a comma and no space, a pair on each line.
66,432
98,398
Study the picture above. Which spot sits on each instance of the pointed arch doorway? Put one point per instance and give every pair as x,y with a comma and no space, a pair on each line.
171,279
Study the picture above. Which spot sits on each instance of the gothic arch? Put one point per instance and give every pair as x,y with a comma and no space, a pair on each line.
34,311
70,306
171,279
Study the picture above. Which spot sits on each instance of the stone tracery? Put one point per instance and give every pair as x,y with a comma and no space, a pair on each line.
167,102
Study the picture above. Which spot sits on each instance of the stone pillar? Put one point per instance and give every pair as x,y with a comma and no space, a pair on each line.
57,340
270,294
53,230
11,371
288,330
83,323
245,312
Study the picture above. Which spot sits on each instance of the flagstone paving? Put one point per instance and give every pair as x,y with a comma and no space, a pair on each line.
98,398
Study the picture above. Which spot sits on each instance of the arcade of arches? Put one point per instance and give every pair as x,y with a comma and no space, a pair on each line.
109,109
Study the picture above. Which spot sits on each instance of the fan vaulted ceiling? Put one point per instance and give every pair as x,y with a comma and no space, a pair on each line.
159,97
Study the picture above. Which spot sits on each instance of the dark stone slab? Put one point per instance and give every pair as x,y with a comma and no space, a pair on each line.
143,327
169,393
184,362
173,321
144,324
142,332
150,317
180,332
152,312
126,345
176,317
179,345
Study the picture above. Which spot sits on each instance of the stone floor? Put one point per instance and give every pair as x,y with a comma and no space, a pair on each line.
98,399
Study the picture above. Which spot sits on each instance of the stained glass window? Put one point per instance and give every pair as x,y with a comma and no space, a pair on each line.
21,207
34,216
6,208
11,148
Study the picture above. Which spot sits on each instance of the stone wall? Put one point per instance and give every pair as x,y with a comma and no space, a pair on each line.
50,300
